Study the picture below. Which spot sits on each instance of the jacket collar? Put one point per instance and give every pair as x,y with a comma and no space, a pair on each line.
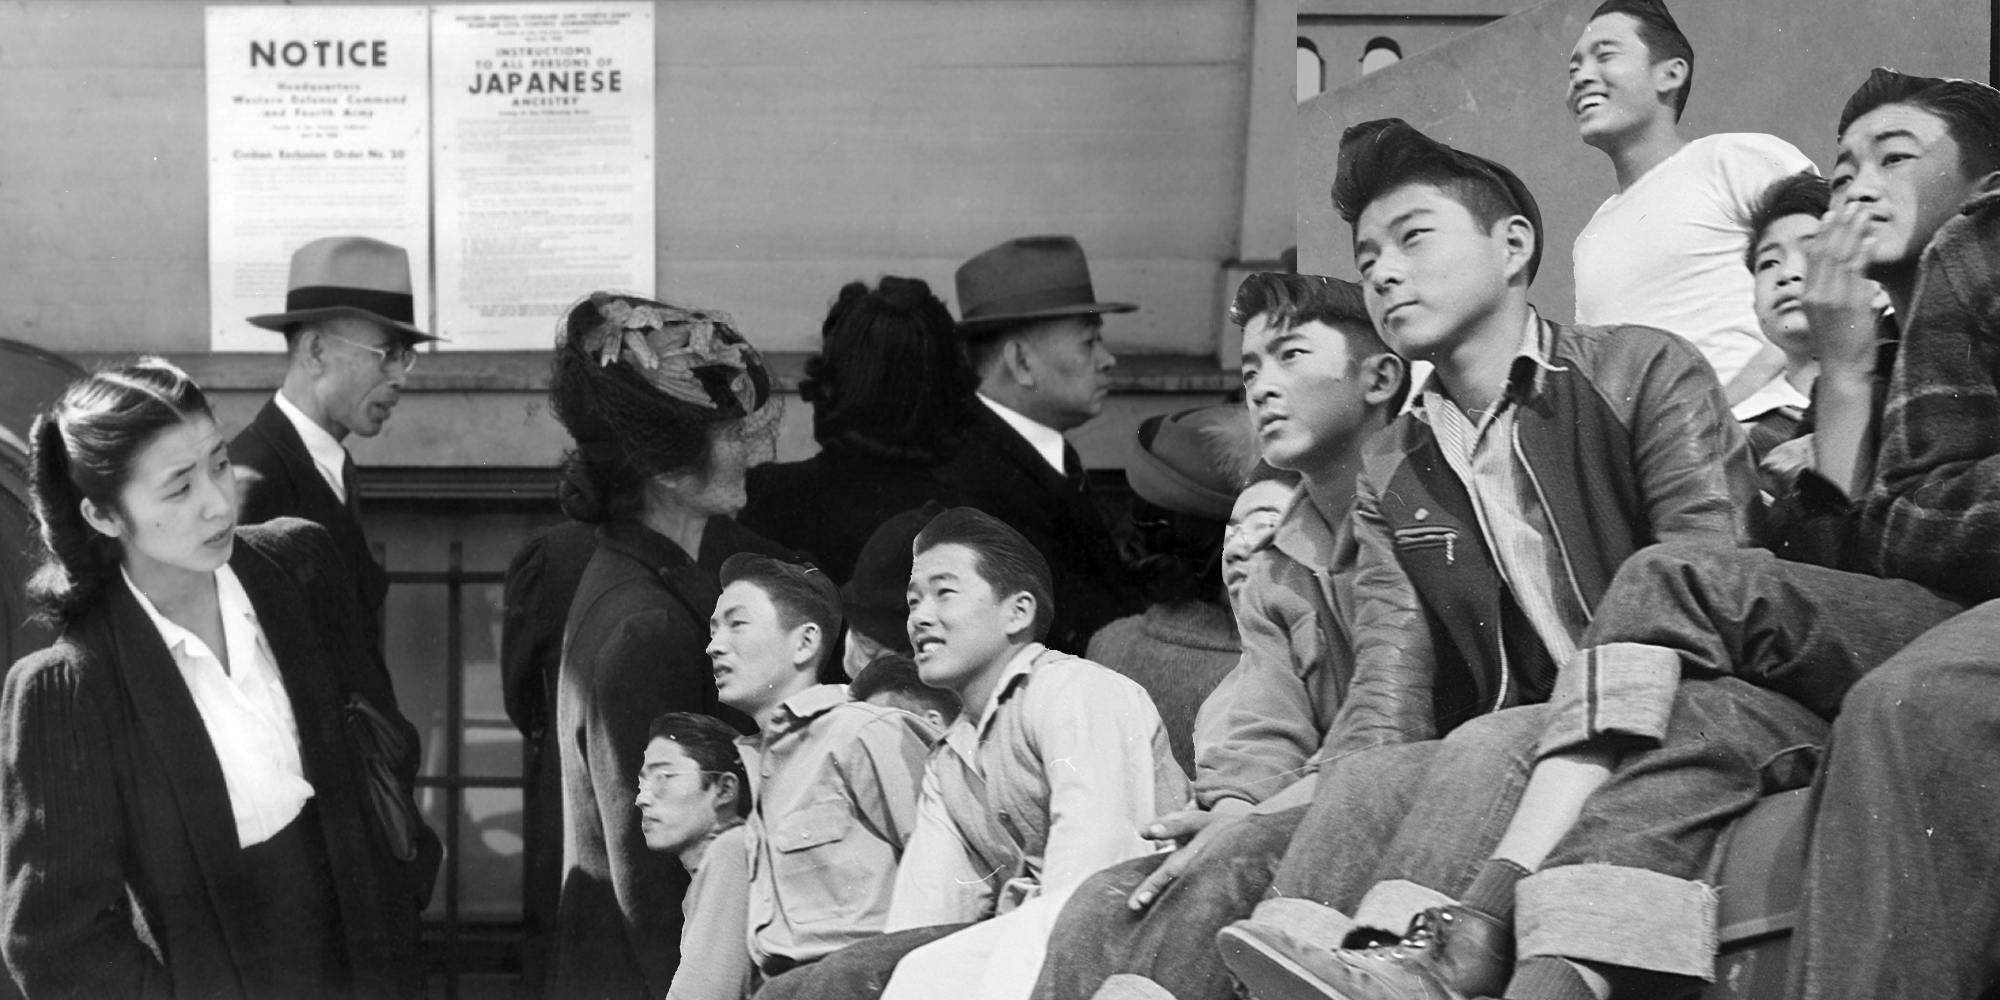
636,541
1527,374
812,703
1045,440
1306,537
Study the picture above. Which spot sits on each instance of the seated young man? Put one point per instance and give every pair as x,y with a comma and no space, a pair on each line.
1050,773
1489,519
1781,228
1317,382
1681,623
891,681
1898,896
693,798
836,780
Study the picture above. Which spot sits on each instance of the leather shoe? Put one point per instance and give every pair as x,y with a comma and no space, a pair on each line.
1449,953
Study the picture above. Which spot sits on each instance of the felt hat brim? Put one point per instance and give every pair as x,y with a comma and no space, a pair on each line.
279,321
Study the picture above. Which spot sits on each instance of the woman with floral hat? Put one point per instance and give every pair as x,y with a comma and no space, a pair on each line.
668,406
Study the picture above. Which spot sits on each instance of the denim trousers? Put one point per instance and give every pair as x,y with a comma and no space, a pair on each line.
1331,851
859,971
1899,896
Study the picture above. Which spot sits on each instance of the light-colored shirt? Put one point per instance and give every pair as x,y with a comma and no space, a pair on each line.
244,709
1047,441
1515,524
1048,782
714,963
836,793
327,454
1667,252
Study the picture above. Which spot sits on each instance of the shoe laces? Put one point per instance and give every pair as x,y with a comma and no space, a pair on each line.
1427,930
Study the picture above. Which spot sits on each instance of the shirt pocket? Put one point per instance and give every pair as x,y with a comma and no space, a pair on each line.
821,863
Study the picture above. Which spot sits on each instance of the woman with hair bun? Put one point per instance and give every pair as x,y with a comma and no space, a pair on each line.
184,813
668,407
888,390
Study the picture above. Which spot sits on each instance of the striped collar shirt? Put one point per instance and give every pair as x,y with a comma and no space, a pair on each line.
1513,517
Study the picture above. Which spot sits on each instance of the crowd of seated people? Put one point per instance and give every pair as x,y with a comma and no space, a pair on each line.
1386,681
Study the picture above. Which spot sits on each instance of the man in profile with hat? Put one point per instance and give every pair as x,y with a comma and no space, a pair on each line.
1032,328
349,343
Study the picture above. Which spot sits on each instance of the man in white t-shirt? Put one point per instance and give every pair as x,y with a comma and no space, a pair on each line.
1666,251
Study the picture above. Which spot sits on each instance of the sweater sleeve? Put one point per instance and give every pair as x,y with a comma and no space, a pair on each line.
66,920
715,960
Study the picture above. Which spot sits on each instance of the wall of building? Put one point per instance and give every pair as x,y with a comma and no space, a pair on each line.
801,143
1783,67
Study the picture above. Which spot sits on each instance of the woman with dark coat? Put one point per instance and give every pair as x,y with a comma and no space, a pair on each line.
888,389
668,407
184,813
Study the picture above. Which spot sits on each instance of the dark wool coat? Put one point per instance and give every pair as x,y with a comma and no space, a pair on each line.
276,477
117,841
999,472
828,505
633,649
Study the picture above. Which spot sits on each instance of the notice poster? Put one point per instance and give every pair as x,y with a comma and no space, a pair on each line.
318,125
544,164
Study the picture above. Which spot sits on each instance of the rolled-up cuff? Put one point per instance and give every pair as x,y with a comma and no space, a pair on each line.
1616,689
1619,916
1390,906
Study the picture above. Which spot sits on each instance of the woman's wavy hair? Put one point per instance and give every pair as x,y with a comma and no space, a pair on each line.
84,448
631,422
891,379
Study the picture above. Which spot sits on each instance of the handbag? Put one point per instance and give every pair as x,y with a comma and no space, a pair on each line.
391,805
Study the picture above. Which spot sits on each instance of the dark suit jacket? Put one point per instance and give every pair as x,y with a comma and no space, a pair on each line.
118,845
999,472
828,505
633,649
276,477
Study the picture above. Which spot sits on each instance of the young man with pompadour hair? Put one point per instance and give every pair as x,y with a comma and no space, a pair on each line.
1663,251
1050,773
1538,459
1891,844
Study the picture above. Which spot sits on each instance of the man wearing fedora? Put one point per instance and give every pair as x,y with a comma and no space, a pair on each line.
349,343
1032,328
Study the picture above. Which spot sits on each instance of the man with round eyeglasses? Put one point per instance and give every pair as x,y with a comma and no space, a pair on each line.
349,343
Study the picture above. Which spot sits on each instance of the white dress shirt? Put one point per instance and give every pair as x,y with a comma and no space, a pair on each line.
327,454
1047,441
245,710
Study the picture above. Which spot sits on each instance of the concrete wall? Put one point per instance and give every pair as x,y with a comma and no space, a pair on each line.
802,144
1778,66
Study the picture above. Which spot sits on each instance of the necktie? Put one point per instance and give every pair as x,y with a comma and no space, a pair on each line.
349,484
1073,470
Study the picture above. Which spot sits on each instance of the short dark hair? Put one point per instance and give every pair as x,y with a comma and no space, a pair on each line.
800,593
896,675
1296,299
891,379
1662,36
1000,555
1803,193
1385,155
83,448
711,744
1970,112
